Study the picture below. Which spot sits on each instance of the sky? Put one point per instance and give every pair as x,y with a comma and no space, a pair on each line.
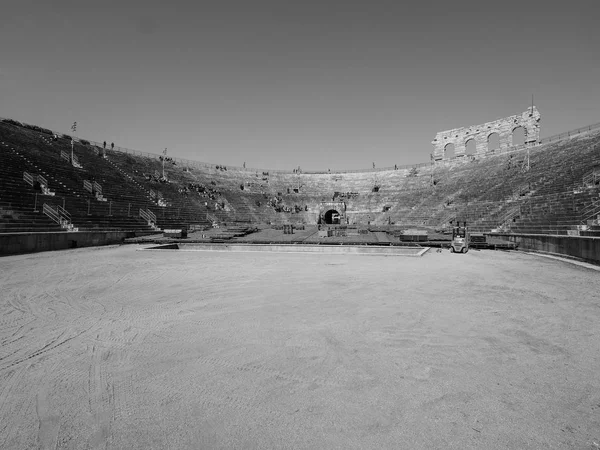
280,84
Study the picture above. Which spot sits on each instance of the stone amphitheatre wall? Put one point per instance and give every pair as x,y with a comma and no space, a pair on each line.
504,128
578,247
17,243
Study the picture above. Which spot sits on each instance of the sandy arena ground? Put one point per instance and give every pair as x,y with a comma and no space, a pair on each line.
113,348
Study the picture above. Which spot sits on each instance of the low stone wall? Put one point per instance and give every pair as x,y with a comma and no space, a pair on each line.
578,247
15,243
294,248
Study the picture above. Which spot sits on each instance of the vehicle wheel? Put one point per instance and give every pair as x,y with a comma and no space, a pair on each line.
466,250
451,249
463,250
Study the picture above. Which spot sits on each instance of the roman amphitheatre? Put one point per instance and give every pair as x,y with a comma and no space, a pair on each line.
155,302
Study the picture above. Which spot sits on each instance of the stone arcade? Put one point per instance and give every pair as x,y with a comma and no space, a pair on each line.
459,137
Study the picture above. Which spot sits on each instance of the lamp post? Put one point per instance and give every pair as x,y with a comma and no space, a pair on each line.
431,161
73,129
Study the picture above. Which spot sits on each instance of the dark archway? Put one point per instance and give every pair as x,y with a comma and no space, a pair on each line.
332,217
518,136
493,141
470,147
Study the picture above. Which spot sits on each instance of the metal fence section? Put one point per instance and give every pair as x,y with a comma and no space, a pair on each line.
568,134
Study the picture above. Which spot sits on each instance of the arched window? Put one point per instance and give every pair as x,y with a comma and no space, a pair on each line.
493,141
471,147
449,151
518,136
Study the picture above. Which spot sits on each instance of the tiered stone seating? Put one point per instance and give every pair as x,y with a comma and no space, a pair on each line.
20,203
544,193
37,154
484,192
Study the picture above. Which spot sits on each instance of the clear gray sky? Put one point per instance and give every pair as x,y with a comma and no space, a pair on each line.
320,84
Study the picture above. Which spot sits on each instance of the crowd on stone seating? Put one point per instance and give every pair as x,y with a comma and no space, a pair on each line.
277,204
299,208
221,206
202,190
153,178
274,202
348,195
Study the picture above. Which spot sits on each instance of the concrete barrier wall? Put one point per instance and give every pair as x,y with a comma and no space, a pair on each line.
579,247
291,248
15,243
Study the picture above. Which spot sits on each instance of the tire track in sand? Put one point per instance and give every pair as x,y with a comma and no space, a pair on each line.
101,400
54,343
48,418
8,385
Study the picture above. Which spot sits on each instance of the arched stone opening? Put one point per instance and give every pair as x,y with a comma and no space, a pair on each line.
332,217
493,141
519,134
471,147
528,120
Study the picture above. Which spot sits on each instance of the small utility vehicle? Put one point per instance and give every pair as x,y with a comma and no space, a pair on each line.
460,238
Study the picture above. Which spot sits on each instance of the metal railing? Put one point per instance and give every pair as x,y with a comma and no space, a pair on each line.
592,178
212,219
571,133
59,215
144,215
76,161
43,181
148,215
87,185
97,188
28,178
590,211
64,155
51,212
509,215
63,214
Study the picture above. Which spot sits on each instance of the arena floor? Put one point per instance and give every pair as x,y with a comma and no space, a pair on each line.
115,348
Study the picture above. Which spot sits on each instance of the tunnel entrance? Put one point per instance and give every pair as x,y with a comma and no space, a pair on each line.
332,213
332,217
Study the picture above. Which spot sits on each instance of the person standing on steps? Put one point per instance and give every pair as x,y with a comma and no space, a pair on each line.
112,145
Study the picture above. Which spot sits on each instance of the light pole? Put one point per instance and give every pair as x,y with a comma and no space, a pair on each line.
74,129
431,161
